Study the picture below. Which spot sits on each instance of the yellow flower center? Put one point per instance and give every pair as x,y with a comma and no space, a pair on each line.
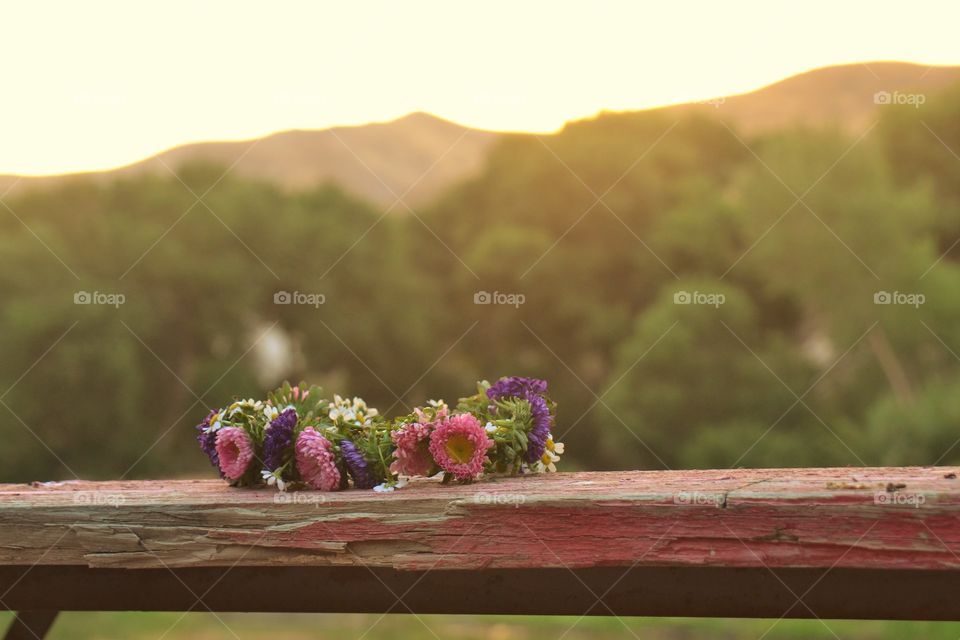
460,449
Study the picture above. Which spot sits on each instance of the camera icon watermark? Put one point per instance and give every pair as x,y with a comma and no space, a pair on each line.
899,499
298,297
699,499
698,297
511,299
896,97
99,298
500,499
898,297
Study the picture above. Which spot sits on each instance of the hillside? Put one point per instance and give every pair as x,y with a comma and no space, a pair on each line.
399,153
402,151
842,96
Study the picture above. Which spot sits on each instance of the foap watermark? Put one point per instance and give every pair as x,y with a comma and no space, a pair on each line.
500,499
299,297
896,97
899,297
98,498
299,497
898,499
99,297
498,297
699,297
699,499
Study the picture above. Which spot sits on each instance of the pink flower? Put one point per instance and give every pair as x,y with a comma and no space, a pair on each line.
316,462
296,393
459,445
412,453
235,451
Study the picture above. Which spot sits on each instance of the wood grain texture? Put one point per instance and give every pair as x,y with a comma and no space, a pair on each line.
853,518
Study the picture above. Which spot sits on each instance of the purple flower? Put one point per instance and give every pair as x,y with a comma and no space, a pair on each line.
208,441
516,387
279,439
357,466
542,424
533,391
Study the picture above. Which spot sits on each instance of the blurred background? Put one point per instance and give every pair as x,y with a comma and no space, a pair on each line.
727,236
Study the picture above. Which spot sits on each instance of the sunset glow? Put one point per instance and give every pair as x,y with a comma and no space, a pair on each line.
83,92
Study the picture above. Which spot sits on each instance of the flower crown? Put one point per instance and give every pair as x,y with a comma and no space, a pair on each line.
297,438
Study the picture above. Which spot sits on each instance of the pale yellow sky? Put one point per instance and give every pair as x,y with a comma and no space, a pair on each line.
95,84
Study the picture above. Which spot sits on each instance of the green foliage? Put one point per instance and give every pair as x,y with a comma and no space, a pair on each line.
921,432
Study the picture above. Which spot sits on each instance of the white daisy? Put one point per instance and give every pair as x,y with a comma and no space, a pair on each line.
551,456
272,478
250,403
214,422
353,410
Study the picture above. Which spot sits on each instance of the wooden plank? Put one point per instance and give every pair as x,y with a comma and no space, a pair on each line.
641,591
874,518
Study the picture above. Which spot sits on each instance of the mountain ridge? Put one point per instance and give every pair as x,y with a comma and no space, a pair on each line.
419,155
363,159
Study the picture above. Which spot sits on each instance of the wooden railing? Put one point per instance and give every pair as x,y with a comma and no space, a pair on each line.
827,543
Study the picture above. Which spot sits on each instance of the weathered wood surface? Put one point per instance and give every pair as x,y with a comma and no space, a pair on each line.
851,518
